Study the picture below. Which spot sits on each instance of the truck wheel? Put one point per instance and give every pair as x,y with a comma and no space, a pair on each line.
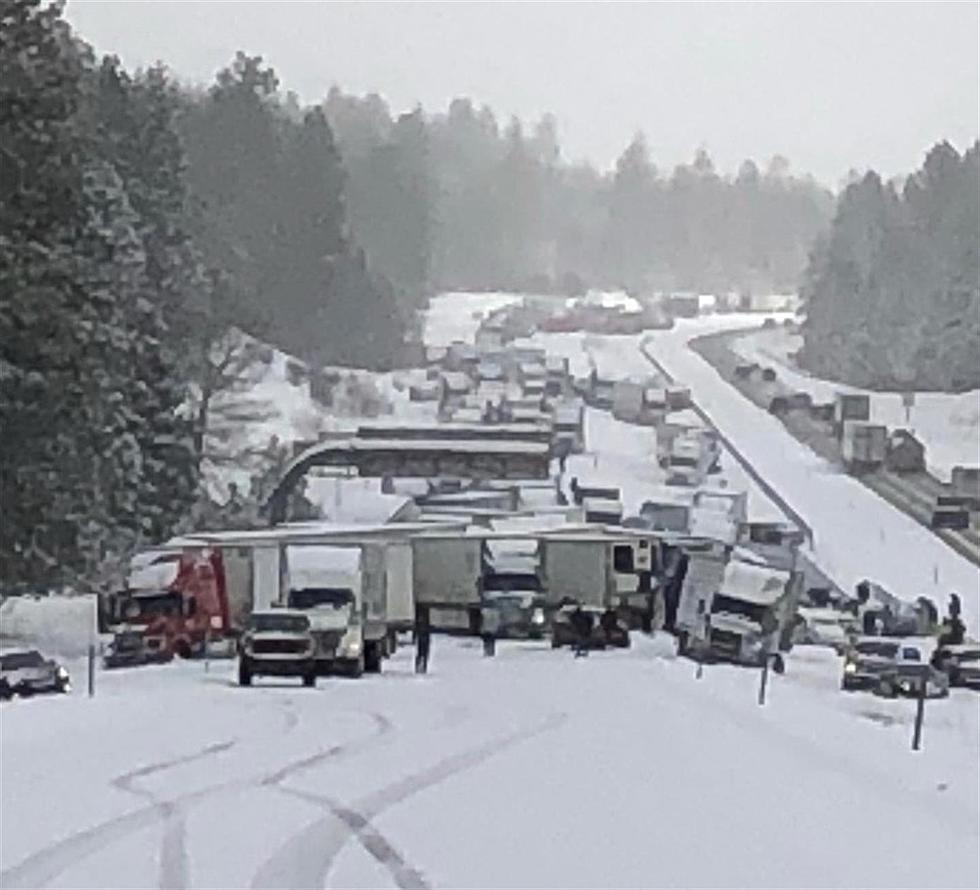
182,648
244,673
778,665
309,679
555,643
356,667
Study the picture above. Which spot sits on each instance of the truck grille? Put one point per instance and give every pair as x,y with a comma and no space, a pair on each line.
279,647
327,641
726,642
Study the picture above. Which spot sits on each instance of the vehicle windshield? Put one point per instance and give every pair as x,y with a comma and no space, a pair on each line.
312,597
972,655
509,581
282,623
147,606
876,647
911,654
680,460
729,605
16,660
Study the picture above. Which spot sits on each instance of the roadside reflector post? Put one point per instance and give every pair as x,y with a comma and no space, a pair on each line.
91,670
920,713
764,679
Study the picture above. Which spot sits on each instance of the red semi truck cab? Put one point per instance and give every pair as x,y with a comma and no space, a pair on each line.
177,597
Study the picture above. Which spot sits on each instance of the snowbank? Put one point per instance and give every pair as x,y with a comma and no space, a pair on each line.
57,625
948,424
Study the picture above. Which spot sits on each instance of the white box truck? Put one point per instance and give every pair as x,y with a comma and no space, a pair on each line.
358,596
601,570
447,575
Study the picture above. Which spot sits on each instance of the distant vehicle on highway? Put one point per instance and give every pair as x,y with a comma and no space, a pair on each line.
27,672
279,643
961,663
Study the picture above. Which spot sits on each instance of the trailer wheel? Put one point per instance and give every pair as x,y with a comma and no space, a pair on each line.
309,679
182,648
778,665
244,673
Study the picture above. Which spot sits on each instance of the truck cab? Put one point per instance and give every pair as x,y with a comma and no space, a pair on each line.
325,583
175,599
735,609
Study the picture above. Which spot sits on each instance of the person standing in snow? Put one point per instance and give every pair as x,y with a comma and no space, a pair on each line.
489,629
422,639
582,623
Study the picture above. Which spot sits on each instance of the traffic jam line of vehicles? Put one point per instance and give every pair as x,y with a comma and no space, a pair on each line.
531,559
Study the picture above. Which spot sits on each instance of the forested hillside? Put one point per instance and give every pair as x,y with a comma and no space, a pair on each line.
892,293
140,223
456,200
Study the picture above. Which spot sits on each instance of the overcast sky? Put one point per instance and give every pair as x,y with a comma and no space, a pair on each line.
831,86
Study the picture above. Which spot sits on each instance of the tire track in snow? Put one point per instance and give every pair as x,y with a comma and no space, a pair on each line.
44,865
304,862
174,864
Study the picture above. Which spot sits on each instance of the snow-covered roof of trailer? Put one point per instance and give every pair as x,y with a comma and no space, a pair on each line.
753,583
307,531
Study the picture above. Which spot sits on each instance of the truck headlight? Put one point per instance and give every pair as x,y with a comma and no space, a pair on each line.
61,673
850,667
353,648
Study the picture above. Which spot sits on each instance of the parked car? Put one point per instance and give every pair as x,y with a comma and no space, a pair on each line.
868,663
277,642
911,671
961,664
26,672
891,668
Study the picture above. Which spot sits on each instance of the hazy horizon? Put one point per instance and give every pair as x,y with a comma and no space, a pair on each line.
831,87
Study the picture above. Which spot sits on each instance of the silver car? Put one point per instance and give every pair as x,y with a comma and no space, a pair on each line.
27,672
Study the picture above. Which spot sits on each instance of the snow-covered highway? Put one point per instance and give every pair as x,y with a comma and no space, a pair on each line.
532,769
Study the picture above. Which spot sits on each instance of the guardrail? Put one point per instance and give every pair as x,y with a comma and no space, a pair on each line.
730,446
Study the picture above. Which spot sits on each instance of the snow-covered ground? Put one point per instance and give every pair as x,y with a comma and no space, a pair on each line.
948,424
532,769
268,404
